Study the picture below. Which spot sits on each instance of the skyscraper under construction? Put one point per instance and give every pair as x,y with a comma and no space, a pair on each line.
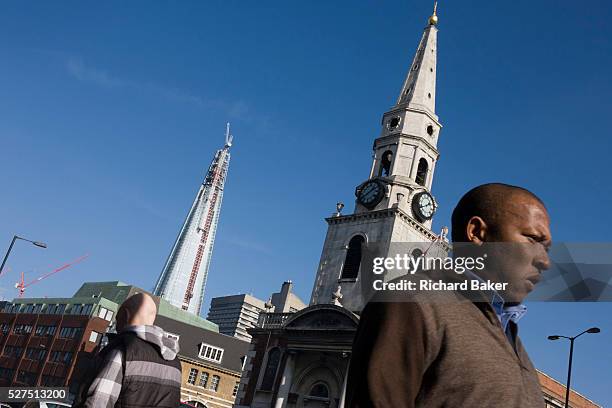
183,278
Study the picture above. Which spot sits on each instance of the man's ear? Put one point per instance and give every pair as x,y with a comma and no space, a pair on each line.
476,230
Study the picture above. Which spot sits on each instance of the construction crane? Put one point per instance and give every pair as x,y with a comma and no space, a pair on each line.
21,285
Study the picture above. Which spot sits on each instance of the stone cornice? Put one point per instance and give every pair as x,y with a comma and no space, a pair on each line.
385,213
403,107
390,138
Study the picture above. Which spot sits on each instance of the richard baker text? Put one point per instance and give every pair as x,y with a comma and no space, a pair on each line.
439,285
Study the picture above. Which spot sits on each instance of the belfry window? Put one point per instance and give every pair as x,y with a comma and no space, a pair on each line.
271,367
421,175
385,163
352,262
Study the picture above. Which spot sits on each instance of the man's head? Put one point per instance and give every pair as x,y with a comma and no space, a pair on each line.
137,310
499,213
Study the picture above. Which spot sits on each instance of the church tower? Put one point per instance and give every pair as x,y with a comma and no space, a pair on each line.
395,203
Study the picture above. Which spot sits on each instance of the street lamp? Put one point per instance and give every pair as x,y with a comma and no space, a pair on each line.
16,237
569,369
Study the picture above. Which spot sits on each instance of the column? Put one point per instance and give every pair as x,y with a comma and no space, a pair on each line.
286,380
343,392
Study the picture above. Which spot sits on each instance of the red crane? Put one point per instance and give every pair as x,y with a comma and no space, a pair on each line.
21,285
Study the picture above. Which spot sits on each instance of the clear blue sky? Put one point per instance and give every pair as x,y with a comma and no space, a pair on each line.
110,114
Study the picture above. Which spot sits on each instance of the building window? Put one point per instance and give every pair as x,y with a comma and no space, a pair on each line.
214,383
6,373
394,122
203,379
173,336
385,163
193,374
352,262
105,314
83,310
87,310
12,351
11,308
319,391
430,130
93,336
271,367
36,354
71,332
22,329
56,356
56,309
45,330
421,176
211,353
236,387
67,357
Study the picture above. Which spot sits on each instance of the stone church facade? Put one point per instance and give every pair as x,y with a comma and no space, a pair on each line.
301,359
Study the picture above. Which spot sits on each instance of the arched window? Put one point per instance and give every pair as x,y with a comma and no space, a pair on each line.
421,175
271,367
319,390
352,262
385,163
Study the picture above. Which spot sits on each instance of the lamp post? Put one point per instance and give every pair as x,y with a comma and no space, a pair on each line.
569,368
15,238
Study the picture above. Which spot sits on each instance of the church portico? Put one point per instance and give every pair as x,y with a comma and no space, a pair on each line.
306,358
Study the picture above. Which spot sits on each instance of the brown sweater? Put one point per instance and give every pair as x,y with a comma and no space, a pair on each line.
409,354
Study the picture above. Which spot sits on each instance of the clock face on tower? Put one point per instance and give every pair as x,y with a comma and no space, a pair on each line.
423,206
371,193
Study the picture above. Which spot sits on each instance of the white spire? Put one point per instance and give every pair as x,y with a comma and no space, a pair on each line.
419,89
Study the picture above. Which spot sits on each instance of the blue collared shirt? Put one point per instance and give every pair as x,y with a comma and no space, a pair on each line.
504,314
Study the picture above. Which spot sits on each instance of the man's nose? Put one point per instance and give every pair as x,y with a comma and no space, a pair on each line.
542,261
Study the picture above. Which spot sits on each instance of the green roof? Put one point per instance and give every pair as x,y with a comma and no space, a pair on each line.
112,294
172,312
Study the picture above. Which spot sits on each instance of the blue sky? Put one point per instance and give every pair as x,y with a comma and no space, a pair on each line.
110,114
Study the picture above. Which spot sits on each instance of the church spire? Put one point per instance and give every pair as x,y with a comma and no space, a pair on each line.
419,89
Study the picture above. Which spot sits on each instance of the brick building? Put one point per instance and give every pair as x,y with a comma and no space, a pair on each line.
42,339
49,341
554,394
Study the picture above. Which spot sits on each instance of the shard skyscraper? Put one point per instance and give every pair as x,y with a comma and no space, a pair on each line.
183,279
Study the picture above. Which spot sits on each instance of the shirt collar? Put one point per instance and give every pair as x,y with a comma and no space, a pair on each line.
505,314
